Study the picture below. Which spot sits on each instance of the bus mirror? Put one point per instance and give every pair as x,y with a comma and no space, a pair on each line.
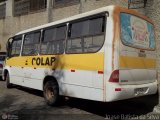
8,47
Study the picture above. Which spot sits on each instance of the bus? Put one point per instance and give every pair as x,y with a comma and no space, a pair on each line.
106,55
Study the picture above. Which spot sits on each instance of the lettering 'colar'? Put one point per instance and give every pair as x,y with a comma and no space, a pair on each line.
43,61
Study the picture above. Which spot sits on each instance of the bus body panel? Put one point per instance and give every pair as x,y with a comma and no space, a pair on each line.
72,87
137,76
75,80
121,92
134,68
16,75
108,48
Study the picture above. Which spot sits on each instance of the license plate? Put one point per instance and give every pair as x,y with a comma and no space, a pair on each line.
140,91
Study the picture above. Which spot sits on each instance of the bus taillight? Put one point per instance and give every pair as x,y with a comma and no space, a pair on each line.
114,76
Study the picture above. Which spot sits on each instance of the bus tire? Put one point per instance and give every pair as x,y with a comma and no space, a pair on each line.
51,93
8,84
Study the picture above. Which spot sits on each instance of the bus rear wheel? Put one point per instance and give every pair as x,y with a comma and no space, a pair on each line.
8,84
51,93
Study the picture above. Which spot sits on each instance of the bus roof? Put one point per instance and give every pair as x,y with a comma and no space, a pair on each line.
69,19
65,20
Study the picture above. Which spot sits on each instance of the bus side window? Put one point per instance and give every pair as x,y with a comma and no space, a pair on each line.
53,40
16,46
31,44
86,36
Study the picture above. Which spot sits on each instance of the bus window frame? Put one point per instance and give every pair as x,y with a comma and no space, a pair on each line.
148,49
67,23
50,27
103,14
11,43
31,32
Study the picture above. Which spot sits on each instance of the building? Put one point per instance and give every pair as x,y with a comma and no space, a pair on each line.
17,15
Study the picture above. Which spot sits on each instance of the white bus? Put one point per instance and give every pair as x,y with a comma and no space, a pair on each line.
107,54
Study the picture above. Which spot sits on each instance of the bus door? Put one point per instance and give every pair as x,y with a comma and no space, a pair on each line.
31,51
14,60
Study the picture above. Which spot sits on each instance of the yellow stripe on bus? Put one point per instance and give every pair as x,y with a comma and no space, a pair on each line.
94,61
136,62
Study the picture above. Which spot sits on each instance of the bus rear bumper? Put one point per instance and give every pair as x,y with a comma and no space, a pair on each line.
116,92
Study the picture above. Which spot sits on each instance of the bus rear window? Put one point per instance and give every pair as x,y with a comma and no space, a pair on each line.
136,32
